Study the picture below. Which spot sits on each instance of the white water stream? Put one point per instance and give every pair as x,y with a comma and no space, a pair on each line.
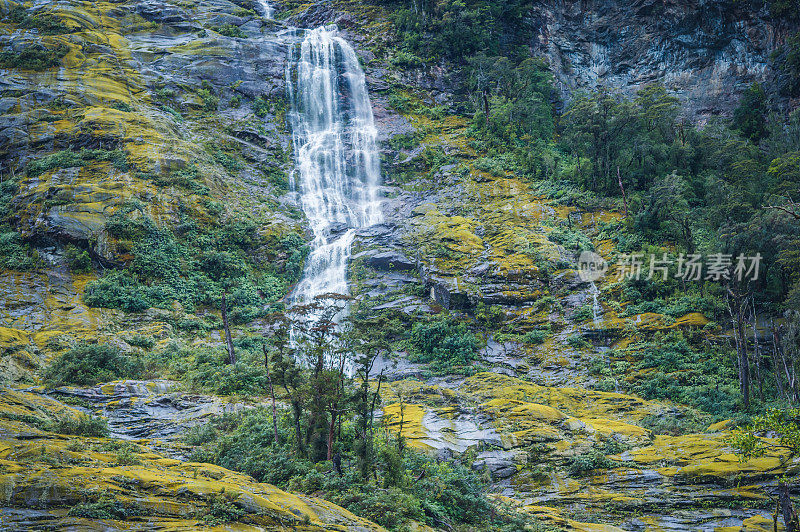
596,310
266,8
338,166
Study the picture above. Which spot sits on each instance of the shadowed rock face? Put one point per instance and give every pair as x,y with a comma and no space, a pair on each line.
707,51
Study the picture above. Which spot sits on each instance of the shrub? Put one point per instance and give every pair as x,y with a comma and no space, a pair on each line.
126,455
210,373
490,165
261,107
15,254
88,364
570,239
230,164
243,12
686,423
45,23
222,509
105,507
229,30
78,259
444,343
119,105
83,425
117,289
25,418
583,464
675,370
536,336
583,313
140,340
405,59
33,57
210,100
187,177
69,159
577,341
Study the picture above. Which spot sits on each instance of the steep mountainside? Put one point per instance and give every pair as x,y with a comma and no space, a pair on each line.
149,196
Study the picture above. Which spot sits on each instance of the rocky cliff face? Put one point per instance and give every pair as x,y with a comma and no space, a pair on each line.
173,85
706,51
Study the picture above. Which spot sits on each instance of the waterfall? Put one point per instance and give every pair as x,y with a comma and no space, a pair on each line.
338,166
596,310
267,8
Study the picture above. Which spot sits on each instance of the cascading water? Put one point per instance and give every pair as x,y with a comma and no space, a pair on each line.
596,310
338,166
267,8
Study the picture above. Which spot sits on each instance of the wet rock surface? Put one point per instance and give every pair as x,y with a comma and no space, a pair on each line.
149,409
455,238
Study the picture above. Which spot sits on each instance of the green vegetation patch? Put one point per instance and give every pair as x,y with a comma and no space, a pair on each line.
69,159
196,265
44,23
408,486
229,30
446,344
33,57
87,364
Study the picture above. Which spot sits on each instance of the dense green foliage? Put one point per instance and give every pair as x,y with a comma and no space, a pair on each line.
674,370
587,463
104,506
785,424
407,485
229,30
195,266
82,425
33,57
87,364
14,253
68,159
44,23
446,344
457,28
750,117
78,259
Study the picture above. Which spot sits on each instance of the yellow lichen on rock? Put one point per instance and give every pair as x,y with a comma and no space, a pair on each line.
576,402
409,417
708,457
49,475
554,517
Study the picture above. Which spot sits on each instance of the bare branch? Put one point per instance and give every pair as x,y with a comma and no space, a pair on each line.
792,208
795,215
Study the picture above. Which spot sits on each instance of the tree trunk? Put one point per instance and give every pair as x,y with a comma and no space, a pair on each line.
228,340
790,520
624,197
737,304
298,433
776,364
744,362
757,353
400,443
331,431
272,395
